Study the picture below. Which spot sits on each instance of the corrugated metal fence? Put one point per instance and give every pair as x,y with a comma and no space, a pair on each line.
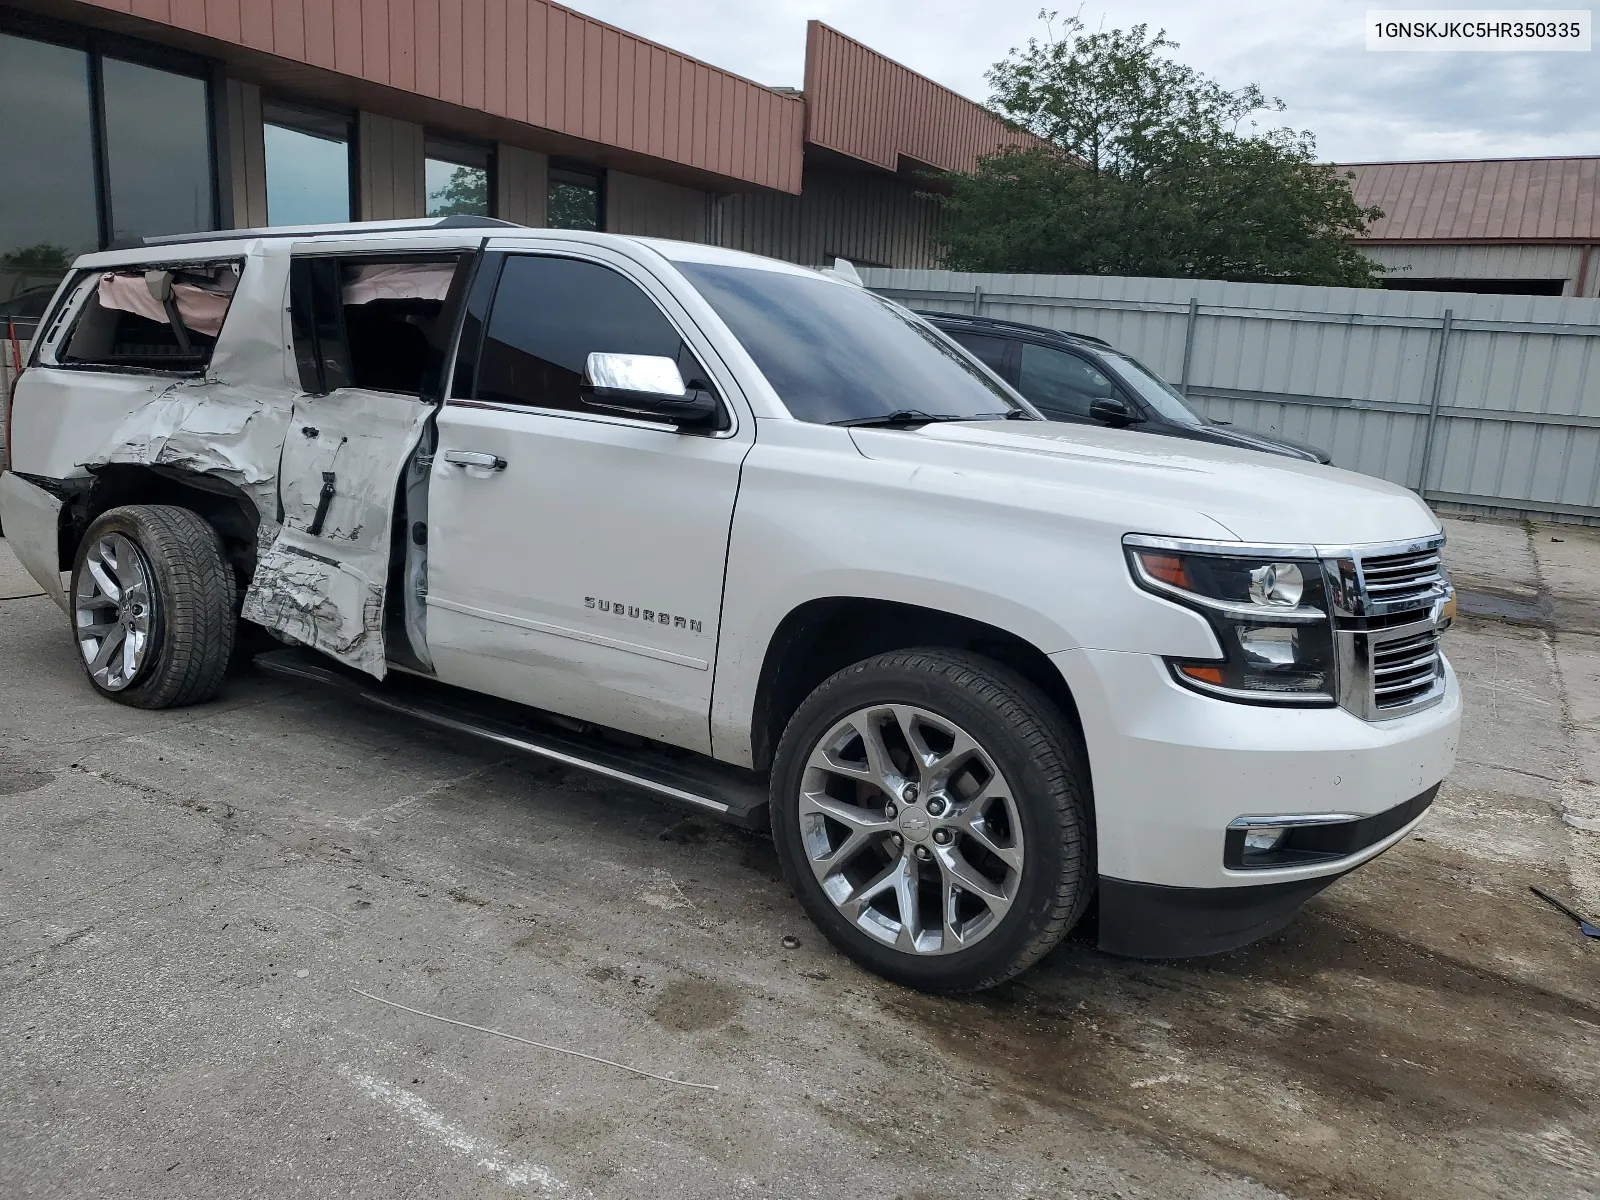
1483,402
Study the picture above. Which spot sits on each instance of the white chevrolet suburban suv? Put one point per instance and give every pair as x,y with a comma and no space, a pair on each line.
759,541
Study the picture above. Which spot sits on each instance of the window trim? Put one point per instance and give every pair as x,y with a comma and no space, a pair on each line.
698,344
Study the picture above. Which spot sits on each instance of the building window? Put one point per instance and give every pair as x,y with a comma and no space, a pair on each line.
458,179
576,199
308,165
94,151
158,151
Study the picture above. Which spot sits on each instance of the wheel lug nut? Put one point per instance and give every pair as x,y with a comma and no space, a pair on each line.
890,811
936,806
942,836
909,793
924,853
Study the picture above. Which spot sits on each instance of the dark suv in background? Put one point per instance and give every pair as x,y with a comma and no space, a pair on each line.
1075,377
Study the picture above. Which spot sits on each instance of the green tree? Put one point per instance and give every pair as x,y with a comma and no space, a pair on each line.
1149,168
465,193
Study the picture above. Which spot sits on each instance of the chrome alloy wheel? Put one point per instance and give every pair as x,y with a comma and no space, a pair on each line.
911,829
114,611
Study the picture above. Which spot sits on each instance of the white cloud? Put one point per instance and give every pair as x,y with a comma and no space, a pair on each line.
1312,53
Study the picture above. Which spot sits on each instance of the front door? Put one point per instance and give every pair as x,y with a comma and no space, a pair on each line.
370,334
576,557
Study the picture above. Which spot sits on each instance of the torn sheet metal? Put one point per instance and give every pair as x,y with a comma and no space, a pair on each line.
322,580
32,516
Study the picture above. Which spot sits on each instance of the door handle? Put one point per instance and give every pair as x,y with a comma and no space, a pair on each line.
475,458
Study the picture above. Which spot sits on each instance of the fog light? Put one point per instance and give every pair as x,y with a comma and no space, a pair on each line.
1271,645
1264,838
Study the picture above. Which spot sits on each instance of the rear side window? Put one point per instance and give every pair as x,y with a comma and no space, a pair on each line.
550,314
161,318
379,323
990,351
1060,383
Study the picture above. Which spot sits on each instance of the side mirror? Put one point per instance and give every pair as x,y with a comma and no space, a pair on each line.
1112,411
645,385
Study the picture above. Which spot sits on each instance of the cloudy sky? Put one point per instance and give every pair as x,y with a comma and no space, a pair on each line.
1312,53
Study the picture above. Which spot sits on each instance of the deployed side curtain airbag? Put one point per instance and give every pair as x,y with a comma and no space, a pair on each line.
397,281
201,306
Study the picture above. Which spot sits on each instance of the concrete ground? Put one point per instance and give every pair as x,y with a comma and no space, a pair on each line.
188,898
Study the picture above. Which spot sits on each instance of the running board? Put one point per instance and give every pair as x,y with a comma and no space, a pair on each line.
701,783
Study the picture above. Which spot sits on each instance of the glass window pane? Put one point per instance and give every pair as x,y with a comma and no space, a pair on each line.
308,176
47,199
456,190
834,352
990,350
1058,383
550,314
574,200
158,149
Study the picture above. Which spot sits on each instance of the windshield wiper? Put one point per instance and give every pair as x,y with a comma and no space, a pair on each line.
915,416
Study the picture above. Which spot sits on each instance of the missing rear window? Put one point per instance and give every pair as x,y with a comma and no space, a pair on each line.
163,318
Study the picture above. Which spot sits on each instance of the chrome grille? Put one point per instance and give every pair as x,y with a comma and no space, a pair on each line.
1405,669
1396,578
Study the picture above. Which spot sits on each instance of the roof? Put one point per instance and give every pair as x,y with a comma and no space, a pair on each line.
494,69
1483,200
1001,325
870,108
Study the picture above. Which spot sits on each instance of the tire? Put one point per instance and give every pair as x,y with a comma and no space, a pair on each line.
175,603
1026,831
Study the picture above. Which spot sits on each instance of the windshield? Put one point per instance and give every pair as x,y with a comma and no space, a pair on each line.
838,353
1153,390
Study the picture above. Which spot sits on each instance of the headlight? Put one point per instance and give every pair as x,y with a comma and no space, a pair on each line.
1270,615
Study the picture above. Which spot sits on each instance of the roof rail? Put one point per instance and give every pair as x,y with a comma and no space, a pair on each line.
423,225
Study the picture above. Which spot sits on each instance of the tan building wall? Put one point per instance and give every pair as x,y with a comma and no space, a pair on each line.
389,156
865,217
1491,262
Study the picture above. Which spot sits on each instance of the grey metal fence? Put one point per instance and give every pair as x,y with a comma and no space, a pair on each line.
1488,403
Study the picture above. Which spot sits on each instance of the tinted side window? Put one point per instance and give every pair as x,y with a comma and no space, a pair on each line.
991,351
1060,383
549,315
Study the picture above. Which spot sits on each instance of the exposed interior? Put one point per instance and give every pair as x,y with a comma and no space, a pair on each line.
164,320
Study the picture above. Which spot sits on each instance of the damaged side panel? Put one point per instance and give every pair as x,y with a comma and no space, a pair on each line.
321,580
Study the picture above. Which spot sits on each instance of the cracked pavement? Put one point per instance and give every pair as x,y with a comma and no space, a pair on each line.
188,898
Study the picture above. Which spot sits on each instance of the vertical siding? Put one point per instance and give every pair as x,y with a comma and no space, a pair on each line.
1351,370
651,208
1534,261
864,217
526,60
522,185
871,108
389,156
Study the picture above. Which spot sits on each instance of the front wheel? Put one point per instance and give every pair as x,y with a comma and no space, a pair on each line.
931,811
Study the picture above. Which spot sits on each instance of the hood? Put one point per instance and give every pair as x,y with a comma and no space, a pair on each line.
1255,497
1230,436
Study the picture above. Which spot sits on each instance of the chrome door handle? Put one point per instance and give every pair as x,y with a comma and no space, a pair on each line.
475,458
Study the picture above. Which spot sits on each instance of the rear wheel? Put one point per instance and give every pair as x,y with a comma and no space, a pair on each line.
153,606
931,810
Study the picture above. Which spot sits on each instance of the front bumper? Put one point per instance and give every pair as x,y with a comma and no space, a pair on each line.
1150,920
1172,769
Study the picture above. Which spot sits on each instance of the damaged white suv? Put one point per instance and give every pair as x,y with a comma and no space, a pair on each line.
761,542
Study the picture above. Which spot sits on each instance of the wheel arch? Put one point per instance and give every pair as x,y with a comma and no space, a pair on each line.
824,635
226,507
